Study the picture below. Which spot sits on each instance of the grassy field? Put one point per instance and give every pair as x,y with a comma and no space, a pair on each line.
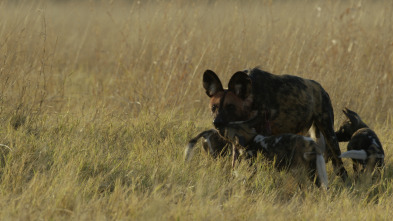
99,98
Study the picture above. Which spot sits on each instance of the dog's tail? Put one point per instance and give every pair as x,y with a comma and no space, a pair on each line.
355,154
321,168
188,153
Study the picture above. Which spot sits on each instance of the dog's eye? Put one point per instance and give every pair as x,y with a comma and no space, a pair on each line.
214,108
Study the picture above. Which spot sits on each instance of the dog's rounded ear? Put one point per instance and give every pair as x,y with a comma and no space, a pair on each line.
211,83
240,84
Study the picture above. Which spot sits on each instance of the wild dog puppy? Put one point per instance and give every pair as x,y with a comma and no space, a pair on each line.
212,143
290,105
286,150
364,146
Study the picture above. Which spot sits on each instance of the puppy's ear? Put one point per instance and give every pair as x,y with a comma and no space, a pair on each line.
345,111
351,112
240,84
352,116
211,83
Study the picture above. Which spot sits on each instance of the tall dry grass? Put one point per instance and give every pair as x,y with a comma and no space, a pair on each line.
98,99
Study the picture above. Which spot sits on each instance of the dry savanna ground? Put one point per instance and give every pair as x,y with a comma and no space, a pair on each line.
99,98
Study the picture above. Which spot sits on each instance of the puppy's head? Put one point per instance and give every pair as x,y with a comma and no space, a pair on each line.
228,105
350,125
242,132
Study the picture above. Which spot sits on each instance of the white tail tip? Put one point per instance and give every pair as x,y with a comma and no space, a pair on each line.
188,153
321,168
355,154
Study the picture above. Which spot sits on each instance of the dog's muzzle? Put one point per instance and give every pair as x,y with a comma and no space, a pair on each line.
218,123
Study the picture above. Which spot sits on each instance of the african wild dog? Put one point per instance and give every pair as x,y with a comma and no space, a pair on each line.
212,143
290,105
364,146
285,150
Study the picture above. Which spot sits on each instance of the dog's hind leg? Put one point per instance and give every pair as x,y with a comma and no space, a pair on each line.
309,162
318,137
333,151
324,122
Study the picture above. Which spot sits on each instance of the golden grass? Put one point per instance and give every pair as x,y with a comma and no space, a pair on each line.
98,99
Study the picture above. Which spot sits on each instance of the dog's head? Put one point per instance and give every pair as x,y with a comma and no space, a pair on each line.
350,125
228,105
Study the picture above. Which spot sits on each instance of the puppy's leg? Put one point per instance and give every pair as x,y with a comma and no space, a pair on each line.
312,169
372,160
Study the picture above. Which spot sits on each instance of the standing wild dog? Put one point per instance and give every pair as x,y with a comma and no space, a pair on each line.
285,150
212,143
290,105
364,146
